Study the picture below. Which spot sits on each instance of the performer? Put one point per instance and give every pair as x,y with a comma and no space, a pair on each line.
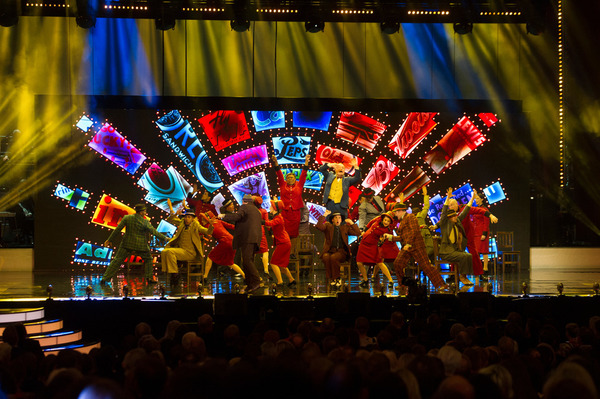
223,253
368,249
135,239
413,245
335,194
370,208
281,255
421,215
203,204
246,238
481,230
454,238
387,249
335,247
290,191
263,249
186,243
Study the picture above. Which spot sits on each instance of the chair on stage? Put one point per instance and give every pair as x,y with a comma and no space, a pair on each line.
192,268
507,256
132,262
346,271
452,269
304,254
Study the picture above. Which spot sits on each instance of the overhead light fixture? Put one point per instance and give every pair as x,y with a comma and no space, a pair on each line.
240,25
9,13
390,27
165,22
314,26
85,15
164,15
462,28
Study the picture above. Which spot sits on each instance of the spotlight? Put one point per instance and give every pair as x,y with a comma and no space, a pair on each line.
199,291
560,287
85,16
462,28
490,288
596,288
524,288
49,290
453,288
273,289
382,290
9,13
165,22
88,291
345,288
314,26
240,25
161,291
390,27
236,288
125,292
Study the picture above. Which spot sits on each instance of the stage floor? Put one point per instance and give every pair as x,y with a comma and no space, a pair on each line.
73,284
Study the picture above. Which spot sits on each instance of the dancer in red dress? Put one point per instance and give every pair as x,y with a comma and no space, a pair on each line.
481,230
369,248
263,250
201,205
223,253
290,191
283,245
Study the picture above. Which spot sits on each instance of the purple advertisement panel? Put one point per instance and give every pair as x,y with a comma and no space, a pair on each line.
163,185
253,185
246,159
315,211
180,136
292,149
91,254
109,143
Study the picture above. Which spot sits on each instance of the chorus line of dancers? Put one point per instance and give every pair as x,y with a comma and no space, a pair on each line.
241,234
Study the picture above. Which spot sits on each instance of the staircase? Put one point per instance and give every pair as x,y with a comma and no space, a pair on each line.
49,333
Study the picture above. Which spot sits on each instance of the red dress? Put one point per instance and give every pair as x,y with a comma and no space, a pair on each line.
481,227
368,251
223,253
388,250
291,197
471,240
201,207
283,245
264,245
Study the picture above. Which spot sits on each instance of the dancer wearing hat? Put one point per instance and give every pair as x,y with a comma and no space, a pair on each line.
370,208
246,238
337,186
454,237
281,255
413,245
223,253
369,251
290,192
137,232
186,244
335,247
203,204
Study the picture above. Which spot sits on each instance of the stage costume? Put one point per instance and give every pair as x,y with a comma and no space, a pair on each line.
472,236
369,249
454,241
137,232
223,253
335,193
246,237
200,207
425,232
409,233
292,203
481,228
186,243
335,253
283,245
264,245
368,211
388,250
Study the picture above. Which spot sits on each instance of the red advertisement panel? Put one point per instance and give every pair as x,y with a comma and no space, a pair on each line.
382,173
326,154
410,185
463,138
488,118
353,194
110,212
224,128
360,129
414,129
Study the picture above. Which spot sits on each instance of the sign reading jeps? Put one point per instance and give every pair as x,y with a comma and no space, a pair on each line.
291,149
180,136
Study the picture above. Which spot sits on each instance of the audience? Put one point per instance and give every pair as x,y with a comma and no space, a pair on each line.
409,358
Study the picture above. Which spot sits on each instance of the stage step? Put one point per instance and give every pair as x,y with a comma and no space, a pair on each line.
48,333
